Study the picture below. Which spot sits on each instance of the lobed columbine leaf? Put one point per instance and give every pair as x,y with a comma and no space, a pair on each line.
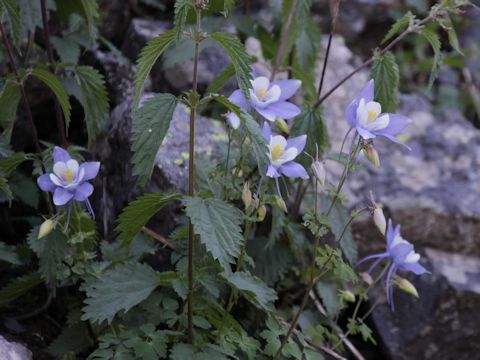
149,55
149,128
240,59
181,11
18,287
120,288
50,250
57,88
253,288
386,74
93,97
218,225
311,122
139,212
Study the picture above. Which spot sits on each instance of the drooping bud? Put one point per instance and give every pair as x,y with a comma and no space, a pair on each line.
367,278
46,228
282,126
281,204
406,286
379,220
347,295
262,212
372,155
247,195
319,171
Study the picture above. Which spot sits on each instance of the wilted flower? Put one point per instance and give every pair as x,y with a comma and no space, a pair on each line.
379,219
319,171
403,257
69,180
366,117
268,99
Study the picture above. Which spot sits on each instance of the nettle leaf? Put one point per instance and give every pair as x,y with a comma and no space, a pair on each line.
12,11
9,164
311,122
8,254
93,97
386,74
120,288
400,25
259,143
307,41
434,40
181,11
218,225
447,25
253,288
139,212
57,88
5,188
149,55
18,287
149,128
67,49
9,100
50,250
328,292
279,258
72,339
91,10
239,57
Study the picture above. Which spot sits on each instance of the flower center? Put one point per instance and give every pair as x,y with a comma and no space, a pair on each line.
261,93
68,175
372,115
277,151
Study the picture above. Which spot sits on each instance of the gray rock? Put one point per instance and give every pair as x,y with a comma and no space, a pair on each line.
13,351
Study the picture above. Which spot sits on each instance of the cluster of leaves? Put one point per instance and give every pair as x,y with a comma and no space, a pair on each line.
125,307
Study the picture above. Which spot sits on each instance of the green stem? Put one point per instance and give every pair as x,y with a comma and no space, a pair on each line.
191,177
225,192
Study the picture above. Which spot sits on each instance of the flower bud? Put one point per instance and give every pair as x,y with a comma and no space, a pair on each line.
247,195
262,212
319,171
347,295
372,155
406,286
280,203
46,228
282,125
367,278
379,220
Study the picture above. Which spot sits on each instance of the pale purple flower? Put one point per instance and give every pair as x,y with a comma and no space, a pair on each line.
366,117
269,99
69,180
402,255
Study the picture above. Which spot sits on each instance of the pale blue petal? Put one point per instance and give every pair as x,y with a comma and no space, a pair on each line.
61,196
60,155
292,169
83,191
284,109
45,183
91,169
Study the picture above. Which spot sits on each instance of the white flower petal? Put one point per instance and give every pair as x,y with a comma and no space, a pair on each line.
73,166
412,257
55,179
59,168
260,83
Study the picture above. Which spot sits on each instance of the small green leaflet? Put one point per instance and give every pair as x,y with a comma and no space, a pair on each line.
218,225
139,212
18,287
12,11
181,11
149,55
151,124
240,59
400,25
387,77
93,97
9,100
90,7
259,143
120,288
253,288
8,254
57,88
434,40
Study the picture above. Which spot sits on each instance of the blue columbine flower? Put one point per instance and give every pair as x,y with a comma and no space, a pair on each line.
269,99
366,117
403,257
69,180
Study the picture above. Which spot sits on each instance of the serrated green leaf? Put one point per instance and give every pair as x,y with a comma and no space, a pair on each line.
9,100
73,339
9,164
148,56
259,143
180,16
50,250
253,288
8,254
279,255
386,75
93,97
57,88
120,288
240,59
329,296
139,211
310,122
308,39
447,25
218,225
12,11
5,188
434,40
18,287
92,13
339,217
151,124
400,25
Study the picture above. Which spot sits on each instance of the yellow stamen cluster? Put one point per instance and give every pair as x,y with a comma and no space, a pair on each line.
261,93
277,151
68,175
372,115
